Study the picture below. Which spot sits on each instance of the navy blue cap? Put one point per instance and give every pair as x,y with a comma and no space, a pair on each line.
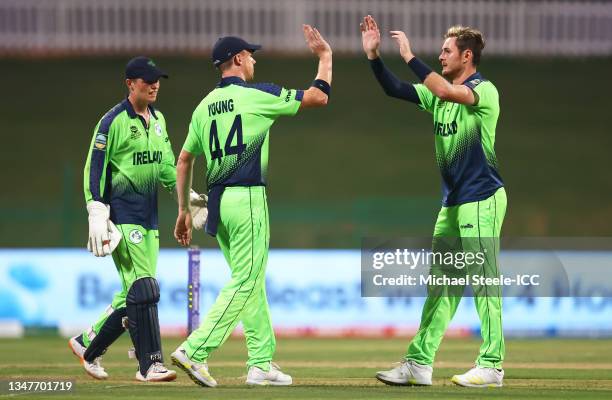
228,46
145,68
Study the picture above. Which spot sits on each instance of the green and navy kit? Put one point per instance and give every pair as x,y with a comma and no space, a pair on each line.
230,127
464,140
474,206
126,161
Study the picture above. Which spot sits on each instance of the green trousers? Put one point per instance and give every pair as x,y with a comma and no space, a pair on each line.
135,257
472,227
244,237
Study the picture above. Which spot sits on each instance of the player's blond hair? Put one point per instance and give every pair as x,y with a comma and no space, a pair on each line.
467,38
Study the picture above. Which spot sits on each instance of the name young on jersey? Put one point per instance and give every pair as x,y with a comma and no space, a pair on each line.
221,106
146,157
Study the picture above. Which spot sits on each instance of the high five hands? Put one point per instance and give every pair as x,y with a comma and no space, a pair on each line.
315,41
370,39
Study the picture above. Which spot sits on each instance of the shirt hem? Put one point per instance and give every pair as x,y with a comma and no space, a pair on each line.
472,200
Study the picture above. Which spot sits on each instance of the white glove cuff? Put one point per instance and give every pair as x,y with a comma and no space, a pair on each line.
98,209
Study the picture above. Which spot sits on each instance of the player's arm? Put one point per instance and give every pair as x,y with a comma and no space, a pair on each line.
318,94
274,101
445,90
167,170
184,174
391,84
94,174
192,147
167,177
103,235
439,86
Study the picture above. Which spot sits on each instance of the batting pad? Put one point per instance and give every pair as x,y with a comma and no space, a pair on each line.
109,332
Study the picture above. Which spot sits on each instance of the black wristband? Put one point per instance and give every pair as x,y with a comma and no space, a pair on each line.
322,86
419,68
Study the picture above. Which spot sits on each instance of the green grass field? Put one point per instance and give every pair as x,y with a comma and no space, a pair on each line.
329,369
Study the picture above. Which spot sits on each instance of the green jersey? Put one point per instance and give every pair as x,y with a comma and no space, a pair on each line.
126,161
464,140
230,127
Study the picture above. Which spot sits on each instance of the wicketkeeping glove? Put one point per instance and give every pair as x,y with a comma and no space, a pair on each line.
199,212
103,234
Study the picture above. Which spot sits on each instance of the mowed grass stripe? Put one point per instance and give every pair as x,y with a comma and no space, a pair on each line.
592,384
345,364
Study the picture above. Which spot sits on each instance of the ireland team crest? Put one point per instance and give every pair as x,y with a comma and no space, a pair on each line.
135,236
158,129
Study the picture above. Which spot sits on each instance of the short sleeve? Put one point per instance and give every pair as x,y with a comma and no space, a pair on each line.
426,97
194,143
274,101
488,98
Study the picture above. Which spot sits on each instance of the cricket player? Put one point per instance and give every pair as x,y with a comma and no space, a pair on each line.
231,128
130,153
465,108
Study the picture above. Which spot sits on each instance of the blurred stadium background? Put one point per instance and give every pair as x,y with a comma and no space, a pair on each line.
364,166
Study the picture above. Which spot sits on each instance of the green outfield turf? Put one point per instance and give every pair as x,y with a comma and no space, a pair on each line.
330,369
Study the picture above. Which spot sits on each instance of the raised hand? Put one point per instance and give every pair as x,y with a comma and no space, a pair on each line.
370,37
315,41
403,44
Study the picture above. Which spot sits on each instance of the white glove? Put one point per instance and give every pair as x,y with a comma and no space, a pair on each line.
199,212
103,234
115,236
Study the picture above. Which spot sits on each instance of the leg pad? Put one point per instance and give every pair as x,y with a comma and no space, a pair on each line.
143,323
109,332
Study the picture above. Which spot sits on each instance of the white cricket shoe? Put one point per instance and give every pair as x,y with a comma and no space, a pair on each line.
157,373
407,373
198,372
274,377
93,369
480,377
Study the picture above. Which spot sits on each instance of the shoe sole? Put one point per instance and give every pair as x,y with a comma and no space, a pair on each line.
167,378
268,383
472,385
391,383
82,361
189,373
